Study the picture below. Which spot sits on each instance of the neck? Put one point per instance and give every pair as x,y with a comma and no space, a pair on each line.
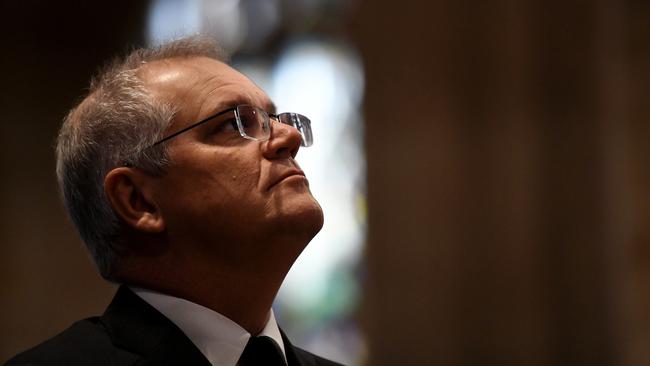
244,295
246,300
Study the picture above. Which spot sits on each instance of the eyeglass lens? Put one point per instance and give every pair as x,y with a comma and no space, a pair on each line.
254,123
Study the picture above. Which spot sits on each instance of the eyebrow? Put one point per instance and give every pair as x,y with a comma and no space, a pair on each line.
272,108
268,105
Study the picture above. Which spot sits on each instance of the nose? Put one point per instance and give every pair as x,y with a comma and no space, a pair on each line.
284,141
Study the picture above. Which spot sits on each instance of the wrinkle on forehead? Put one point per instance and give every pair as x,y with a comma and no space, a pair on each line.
230,94
200,85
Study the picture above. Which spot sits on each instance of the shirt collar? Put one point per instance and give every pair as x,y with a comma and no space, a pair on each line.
219,339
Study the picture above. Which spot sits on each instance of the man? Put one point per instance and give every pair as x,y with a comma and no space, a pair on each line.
182,182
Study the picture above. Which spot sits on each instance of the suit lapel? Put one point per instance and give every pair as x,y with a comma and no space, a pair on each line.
299,357
296,356
137,327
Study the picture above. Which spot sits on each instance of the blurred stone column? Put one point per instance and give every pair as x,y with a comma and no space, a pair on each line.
633,172
494,133
50,50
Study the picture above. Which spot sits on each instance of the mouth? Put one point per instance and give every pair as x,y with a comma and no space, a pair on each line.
292,173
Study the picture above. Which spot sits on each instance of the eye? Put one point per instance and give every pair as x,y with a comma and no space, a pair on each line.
229,125
225,124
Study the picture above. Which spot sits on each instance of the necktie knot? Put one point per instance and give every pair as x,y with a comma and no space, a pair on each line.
262,350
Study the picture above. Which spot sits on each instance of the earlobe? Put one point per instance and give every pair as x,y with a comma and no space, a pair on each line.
128,193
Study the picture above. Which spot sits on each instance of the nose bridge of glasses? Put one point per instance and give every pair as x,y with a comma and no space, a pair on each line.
287,118
299,124
277,119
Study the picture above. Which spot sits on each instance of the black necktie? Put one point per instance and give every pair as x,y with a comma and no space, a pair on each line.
261,351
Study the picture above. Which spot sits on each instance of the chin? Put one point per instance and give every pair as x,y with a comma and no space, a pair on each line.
312,216
299,216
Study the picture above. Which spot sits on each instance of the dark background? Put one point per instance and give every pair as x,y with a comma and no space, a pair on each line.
508,177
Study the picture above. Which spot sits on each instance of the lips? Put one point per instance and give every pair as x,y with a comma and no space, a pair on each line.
287,174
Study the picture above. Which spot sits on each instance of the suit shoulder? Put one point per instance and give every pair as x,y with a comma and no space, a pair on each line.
312,359
85,342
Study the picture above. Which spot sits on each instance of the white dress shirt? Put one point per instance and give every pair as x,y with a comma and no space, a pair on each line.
220,339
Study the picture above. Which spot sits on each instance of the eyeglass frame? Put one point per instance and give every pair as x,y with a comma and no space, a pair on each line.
240,127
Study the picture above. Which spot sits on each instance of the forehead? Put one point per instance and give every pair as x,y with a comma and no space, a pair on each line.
199,86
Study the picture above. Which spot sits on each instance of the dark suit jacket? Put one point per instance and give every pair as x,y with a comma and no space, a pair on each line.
131,332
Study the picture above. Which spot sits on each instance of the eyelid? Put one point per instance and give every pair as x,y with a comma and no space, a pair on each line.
217,119
218,125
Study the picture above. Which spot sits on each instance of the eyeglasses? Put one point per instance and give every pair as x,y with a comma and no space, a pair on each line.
253,123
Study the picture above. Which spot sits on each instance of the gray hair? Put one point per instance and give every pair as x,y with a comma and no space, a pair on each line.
115,125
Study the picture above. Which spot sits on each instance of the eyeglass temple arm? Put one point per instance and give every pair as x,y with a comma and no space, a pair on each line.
193,125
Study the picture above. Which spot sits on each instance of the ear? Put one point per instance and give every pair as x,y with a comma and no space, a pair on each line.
129,192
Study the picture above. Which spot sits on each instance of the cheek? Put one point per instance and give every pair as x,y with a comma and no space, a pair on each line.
207,179
226,177
236,176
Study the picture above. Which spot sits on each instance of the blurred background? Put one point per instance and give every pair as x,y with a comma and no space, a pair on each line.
484,168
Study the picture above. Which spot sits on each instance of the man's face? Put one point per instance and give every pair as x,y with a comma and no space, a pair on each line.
224,196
